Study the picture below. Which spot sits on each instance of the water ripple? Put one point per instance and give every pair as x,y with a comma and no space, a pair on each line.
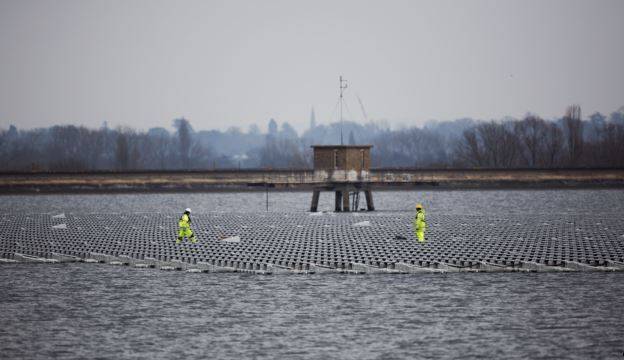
87,311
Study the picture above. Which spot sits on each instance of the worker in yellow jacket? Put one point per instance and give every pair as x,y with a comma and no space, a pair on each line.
420,223
185,227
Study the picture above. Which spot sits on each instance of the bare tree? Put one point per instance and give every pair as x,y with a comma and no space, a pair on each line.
468,150
531,132
500,146
553,145
530,142
612,144
64,150
122,151
573,129
410,147
282,153
184,131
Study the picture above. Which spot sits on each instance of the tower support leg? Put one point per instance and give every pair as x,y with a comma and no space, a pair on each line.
315,199
370,206
345,200
338,207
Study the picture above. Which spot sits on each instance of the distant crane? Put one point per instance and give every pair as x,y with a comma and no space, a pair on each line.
362,107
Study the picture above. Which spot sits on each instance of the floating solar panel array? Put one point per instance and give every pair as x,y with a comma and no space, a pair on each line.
380,242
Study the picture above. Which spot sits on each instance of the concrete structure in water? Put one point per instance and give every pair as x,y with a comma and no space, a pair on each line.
259,179
344,170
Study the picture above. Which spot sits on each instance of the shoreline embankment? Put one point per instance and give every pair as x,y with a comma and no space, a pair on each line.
304,179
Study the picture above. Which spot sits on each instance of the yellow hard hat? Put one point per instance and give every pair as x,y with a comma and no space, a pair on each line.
418,206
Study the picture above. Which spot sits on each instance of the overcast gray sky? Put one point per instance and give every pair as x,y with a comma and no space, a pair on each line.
233,63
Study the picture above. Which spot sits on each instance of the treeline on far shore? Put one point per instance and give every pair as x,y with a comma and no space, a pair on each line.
532,142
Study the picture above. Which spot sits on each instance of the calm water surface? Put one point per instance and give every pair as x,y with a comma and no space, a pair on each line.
101,311
446,202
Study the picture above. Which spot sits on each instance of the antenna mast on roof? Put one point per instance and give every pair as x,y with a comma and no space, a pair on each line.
343,85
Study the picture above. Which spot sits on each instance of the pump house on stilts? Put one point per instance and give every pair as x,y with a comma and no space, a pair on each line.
344,170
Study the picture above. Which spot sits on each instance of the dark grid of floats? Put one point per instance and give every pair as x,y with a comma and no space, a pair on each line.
301,242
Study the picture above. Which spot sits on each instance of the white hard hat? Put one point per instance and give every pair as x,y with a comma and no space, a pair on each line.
188,210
